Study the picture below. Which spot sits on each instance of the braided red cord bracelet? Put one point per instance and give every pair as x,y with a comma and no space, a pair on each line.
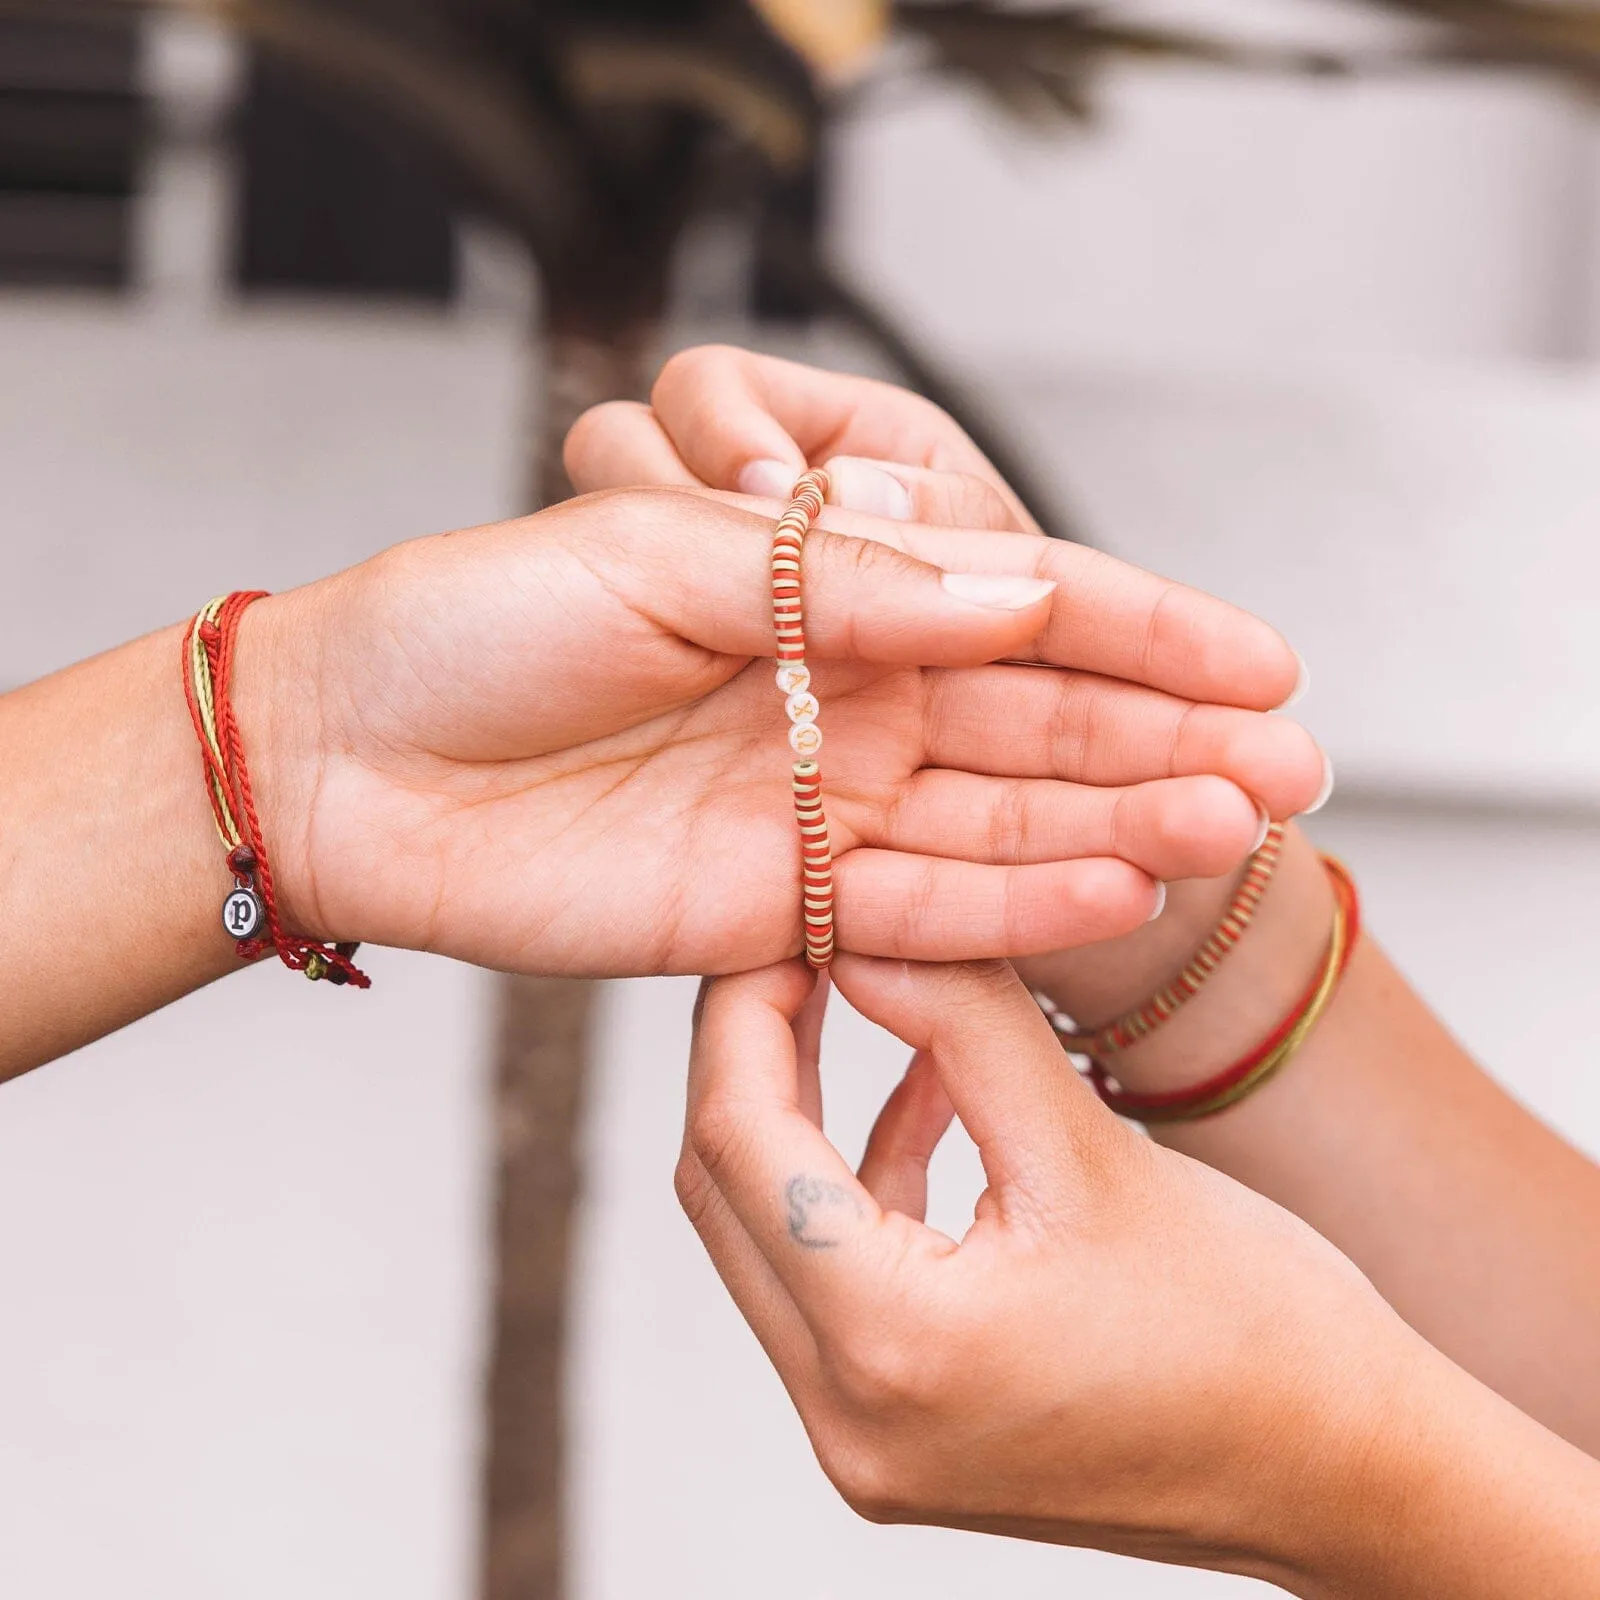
250,912
1246,1075
805,737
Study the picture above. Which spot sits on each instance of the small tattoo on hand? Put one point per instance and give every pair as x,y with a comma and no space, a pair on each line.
819,1211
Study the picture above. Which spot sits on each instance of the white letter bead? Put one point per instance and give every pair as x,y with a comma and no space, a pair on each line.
805,738
802,707
794,677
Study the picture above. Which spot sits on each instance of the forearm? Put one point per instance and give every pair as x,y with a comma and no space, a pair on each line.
1475,1221
1454,1492
111,874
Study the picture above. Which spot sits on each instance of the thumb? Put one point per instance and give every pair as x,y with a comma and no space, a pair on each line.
1038,1127
702,568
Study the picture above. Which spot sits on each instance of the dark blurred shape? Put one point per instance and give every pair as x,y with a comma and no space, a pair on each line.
334,199
70,126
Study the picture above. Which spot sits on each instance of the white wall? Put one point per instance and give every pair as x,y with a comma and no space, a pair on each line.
1283,340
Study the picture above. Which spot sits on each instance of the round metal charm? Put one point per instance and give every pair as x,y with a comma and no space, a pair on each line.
243,915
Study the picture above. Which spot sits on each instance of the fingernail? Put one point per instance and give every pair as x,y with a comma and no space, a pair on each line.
1325,790
860,485
772,480
1262,831
1161,902
996,591
1301,684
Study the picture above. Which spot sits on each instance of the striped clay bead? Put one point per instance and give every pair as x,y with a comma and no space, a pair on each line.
1128,1029
802,709
816,863
787,540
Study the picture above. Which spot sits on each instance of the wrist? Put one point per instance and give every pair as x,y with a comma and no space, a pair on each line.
1097,983
1246,998
278,692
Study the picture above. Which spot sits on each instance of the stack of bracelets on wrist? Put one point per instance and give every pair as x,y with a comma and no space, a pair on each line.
250,912
1248,1074
805,737
1143,1020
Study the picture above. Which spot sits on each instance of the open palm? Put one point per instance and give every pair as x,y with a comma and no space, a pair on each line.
556,745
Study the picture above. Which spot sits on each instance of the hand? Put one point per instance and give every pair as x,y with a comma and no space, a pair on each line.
733,419
1125,1350
545,745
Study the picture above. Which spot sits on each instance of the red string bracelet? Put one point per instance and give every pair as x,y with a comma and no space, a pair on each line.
250,912
1244,1076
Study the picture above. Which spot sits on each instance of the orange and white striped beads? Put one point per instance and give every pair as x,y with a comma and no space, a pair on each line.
816,863
805,737
1127,1030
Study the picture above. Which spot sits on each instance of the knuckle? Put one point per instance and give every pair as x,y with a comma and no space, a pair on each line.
938,424
1185,727
637,517
991,973
1170,643
1125,824
977,503
1012,823
717,1139
687,370
590,435
694,1189
895,1368
1105,888
873,1485
874,1376
863,558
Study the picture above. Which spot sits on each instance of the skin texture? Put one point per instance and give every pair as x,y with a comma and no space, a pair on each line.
555,745
1475,1221
1126,1349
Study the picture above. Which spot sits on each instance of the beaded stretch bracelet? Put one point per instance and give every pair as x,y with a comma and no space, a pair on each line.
250,912
1161,1007
805,737
1245,1076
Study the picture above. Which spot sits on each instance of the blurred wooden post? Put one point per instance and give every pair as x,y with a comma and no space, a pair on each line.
543,1041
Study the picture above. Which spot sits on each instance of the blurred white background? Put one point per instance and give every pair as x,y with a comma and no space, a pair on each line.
1323,348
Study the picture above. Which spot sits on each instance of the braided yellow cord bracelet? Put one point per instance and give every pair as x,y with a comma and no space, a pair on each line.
805,737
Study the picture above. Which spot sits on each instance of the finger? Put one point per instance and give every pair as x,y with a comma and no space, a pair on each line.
702,570
750,422
746,1273
1109,617
919,494
1124,622
791,1191
1036,1125
1017,722
894,1169
808,1048
1200,827
744,1270
925,908
619,444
